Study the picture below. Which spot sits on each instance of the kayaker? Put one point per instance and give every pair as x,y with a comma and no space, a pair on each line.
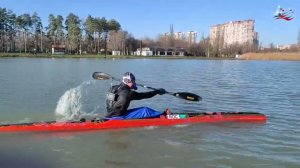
120,96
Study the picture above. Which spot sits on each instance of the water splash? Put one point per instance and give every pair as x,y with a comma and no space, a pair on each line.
69,106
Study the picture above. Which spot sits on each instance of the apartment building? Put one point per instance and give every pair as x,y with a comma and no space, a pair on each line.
179,35
190,36
237,32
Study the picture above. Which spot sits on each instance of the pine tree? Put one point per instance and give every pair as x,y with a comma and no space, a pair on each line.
73,31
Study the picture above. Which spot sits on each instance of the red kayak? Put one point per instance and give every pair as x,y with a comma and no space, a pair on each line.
163,120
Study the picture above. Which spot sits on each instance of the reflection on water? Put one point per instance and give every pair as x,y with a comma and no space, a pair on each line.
31,88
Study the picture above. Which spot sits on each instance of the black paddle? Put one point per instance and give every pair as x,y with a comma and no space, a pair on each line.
182,95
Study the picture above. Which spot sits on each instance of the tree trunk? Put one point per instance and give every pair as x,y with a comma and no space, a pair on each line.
25,42
41,41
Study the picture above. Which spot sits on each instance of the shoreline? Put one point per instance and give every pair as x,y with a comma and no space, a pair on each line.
280,56
16,55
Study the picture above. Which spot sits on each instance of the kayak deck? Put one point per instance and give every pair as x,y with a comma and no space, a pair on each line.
163,120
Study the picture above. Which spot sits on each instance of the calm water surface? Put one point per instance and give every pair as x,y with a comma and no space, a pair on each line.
31,88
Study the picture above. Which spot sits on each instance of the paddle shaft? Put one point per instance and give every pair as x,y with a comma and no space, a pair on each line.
151,88
182,95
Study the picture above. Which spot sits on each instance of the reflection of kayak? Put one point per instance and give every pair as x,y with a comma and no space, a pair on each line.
163,120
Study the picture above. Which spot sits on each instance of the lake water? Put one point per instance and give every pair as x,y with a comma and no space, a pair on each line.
38,89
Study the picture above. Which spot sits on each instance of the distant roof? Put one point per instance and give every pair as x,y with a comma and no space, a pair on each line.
238,21
167,49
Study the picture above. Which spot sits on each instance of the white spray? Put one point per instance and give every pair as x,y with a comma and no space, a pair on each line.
70,103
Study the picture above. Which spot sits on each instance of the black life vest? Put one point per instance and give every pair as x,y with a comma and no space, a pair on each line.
112,96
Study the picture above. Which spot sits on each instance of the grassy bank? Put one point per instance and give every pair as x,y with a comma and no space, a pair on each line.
23,55
271,56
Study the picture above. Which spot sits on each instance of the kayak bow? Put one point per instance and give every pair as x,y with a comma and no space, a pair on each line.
164,120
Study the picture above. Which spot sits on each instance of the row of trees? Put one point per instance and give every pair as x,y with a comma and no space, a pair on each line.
95,35
202,48
26,33
14,29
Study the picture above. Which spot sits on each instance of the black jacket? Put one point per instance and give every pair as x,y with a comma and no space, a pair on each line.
123,96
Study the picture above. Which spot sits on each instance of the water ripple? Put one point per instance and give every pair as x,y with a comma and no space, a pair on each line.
30,88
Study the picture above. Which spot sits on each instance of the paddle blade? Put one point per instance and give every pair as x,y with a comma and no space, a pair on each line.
101,76
187,96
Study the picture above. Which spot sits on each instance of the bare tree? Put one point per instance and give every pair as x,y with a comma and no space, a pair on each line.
116,40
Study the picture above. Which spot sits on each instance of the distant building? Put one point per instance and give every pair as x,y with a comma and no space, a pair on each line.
287,46
160,51
237,32
179,35
191,37
114,52
58,49
144,52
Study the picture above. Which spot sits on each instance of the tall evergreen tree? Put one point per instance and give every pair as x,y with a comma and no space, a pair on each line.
7,29
113,25
59,29
16,31
73,31
51,28
38,28
24,23
102,30
10,31
90,26
3,20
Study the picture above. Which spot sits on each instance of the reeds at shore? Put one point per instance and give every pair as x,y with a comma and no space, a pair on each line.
271,56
